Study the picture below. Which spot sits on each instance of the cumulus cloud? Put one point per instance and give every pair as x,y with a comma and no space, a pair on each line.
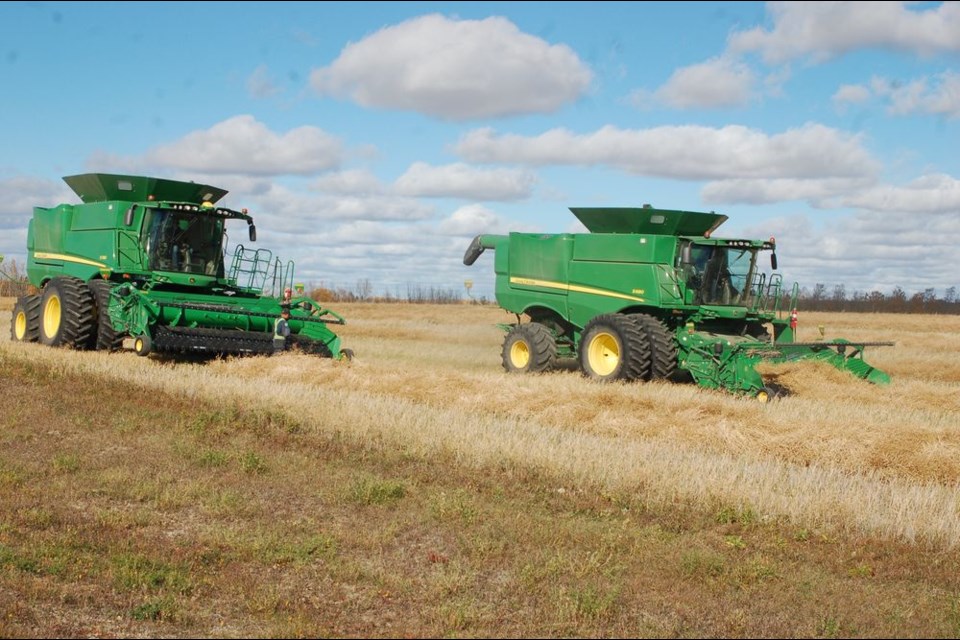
900,236
869,251
463,181
337,239
300,211
455,70
239,145
936,95
939,95
718,82
684,152
929,194
823,30
851,94
761,191
391,256
370,232
471,220
349,182
13,249
22,193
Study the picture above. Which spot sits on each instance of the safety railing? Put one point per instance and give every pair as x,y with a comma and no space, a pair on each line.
259,270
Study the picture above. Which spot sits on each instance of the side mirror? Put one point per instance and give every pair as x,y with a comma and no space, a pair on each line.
128,216
253,233
773,261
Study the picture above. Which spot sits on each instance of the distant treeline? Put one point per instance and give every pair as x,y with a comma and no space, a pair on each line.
364,291
13,279
820,298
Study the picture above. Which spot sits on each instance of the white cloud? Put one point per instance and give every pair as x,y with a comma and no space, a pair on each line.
352,181
852,94
13,248
22,193
260,84
301,212
927,195
930,194
747,191
393,256
243,145
471,220
463,181
869,251
938,96
823,30
369,232
684,152
718,82
455,70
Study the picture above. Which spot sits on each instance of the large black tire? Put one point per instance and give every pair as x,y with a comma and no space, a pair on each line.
66,313
614,347
529,348
105,338
25,322
663,347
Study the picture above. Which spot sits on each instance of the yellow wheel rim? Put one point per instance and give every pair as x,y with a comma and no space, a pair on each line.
138,345
51,316
763,397
603,354
20,325
519,354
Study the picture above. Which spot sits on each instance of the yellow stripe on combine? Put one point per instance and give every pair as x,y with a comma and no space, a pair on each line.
60,256
547,284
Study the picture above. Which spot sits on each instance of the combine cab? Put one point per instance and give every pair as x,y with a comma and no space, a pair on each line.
145,258
650,292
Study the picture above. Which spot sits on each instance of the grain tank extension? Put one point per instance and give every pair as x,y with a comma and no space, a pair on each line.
146,258
649,293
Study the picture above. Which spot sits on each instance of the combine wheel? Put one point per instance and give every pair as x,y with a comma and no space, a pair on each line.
25,323
105,338
767,394
663,347
66,313
529,348
346,354
142,344
614,347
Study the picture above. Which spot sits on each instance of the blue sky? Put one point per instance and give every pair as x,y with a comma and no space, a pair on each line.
374,140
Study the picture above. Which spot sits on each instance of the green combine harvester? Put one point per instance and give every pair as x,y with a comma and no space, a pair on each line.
649,294
145,258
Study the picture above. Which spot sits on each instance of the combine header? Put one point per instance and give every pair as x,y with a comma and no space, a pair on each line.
649,292
145,258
